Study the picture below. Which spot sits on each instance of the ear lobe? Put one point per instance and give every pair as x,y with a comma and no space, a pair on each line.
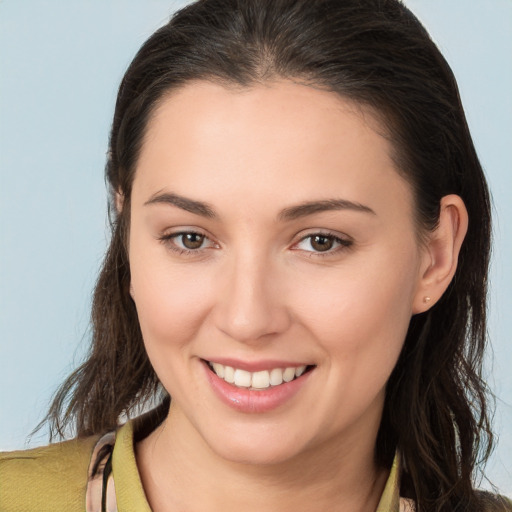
441,253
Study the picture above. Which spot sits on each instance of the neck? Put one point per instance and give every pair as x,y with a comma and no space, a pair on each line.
179,472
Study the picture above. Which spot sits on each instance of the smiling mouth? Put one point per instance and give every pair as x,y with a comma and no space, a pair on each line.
258,380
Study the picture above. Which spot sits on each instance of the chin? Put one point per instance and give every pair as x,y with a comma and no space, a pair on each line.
243,448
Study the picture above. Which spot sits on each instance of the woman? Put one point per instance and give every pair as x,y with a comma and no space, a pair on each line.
299,258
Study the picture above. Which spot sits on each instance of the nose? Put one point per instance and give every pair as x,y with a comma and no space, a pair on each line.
251,304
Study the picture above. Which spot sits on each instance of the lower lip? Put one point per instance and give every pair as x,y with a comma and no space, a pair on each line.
252,401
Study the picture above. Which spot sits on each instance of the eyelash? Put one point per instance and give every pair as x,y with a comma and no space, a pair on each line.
344,244
167,240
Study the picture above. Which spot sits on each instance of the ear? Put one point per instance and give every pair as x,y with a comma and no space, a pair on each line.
119,201
441,253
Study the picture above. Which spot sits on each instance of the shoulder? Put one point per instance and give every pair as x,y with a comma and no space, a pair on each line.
52,477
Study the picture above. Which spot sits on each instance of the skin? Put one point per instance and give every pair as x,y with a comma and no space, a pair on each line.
257,289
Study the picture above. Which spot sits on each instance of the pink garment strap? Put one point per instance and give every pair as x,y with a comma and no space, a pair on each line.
101,494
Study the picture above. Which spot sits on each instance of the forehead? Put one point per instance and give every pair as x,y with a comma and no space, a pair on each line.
281,140
211,109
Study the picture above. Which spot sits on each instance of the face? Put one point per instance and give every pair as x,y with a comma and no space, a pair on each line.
272,244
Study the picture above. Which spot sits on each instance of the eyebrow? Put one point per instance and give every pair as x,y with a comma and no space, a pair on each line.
288,214
311,207
189,205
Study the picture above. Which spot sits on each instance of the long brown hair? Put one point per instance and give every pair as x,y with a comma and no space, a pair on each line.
374,52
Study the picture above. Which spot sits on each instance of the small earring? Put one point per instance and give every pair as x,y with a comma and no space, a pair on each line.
426,300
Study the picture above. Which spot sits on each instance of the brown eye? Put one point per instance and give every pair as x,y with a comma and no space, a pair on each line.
188,243
192,240
321,243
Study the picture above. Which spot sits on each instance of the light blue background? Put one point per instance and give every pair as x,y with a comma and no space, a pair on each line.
60,65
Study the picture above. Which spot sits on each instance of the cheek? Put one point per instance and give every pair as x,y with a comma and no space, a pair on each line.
171,300
362,310
171,307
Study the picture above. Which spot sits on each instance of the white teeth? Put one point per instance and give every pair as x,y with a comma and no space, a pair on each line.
219,369
257,380
276,376
289,374
299,371
229,374
260,380
242,378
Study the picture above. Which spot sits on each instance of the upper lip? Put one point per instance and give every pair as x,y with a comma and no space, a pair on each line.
256,366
